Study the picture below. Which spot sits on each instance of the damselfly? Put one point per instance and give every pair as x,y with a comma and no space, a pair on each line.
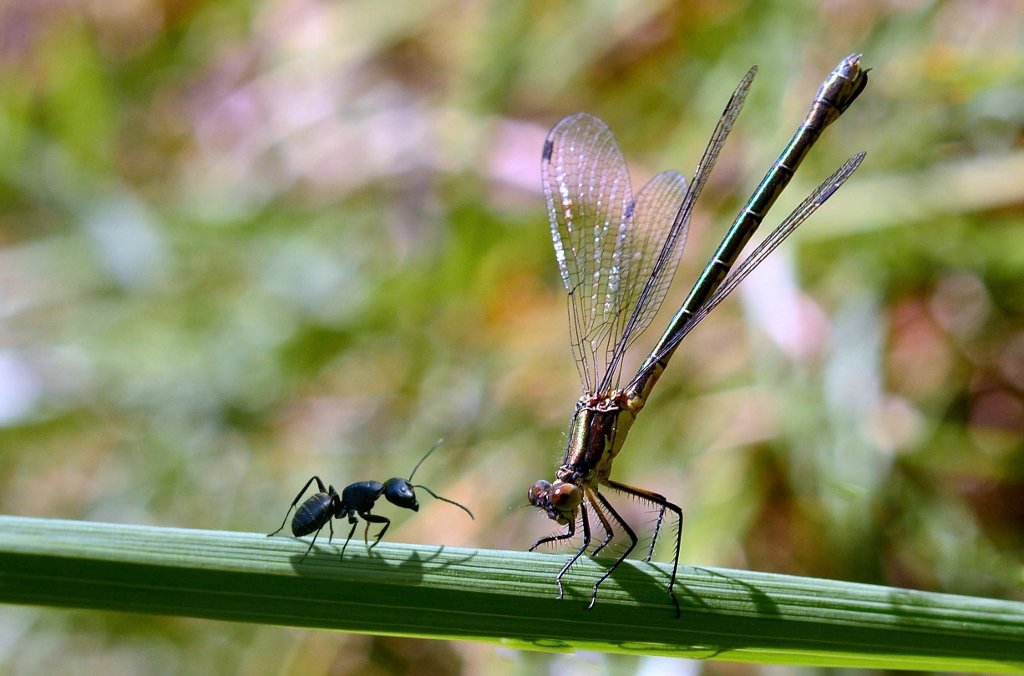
357,499
617,255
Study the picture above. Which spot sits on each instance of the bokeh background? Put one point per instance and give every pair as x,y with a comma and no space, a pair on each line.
246,242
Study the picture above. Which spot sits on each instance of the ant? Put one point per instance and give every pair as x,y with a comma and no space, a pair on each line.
357,499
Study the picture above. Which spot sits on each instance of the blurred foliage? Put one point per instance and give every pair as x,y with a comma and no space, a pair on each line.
242,243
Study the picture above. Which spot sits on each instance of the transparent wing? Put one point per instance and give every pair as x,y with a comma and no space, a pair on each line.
810,204
671,226
588,191
649,225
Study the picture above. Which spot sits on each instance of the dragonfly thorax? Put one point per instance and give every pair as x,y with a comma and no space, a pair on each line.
596,434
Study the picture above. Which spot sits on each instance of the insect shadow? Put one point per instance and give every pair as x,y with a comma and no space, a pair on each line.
356,500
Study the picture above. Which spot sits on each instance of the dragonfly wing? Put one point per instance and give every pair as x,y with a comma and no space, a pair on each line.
818,196
651,234
588,191
673,226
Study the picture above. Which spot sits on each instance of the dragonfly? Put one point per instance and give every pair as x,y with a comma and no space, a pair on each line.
356,500
617,254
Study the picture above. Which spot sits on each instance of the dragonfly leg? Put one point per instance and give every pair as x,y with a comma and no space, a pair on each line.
585,519
569,533
663,504
629,533
608,533
657,531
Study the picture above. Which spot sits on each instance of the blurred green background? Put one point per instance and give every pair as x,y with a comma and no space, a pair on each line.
245,242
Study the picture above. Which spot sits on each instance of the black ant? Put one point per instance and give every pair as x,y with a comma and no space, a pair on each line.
357,499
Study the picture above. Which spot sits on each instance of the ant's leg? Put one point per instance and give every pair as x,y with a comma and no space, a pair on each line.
310,548
354,521
374,518
319,485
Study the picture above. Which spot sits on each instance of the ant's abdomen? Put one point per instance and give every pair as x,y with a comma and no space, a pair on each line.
312,515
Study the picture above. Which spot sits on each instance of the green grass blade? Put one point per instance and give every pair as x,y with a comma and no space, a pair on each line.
502,597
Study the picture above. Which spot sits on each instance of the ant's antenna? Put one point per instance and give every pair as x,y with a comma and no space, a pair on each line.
427,455
436,496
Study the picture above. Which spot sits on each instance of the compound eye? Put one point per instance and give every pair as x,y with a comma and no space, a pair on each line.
538,493
566,497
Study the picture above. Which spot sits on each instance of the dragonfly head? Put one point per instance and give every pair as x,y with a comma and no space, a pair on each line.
560,500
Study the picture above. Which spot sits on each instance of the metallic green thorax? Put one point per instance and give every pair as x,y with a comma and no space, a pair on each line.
598,429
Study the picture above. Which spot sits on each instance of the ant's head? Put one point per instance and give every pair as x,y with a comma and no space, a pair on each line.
399,492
